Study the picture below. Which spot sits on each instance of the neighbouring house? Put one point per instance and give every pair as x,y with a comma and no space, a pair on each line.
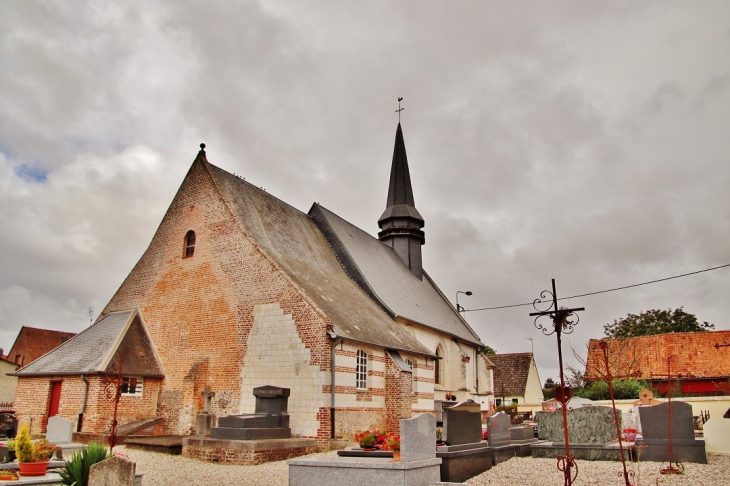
7,384
697,358
32,343
238,289
516,380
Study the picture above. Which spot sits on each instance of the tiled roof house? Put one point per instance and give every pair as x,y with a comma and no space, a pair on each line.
238,289
32,343
704,366
516,380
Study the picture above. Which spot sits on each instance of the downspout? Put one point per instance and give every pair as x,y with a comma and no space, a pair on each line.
332,386
83,403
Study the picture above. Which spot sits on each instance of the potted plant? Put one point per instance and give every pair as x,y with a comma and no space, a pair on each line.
11,450
8,475
370,440
394,445
33,457
76,470
439,435
628,435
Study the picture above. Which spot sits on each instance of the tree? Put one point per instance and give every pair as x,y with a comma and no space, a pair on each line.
487,350
548,389
655,322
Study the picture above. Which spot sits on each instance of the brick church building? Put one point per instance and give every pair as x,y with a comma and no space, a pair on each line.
237,290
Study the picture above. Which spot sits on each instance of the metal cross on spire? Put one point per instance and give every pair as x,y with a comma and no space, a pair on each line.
399,108
562,323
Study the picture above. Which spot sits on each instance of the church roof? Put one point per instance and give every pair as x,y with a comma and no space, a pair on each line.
379,271
94,349
294,242
400,192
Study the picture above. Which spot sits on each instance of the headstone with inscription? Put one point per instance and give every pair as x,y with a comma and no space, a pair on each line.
269,421
656,424
59,430
462,423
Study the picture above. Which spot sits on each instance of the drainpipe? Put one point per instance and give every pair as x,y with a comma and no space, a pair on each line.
83,404
332,386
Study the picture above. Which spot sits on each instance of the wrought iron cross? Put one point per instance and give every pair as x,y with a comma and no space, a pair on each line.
113,380
399,108
680,467
562,323
603,346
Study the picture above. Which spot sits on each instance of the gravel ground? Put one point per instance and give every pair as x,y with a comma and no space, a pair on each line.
526,471
164,469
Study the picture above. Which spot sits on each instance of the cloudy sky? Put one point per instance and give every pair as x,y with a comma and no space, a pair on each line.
582,141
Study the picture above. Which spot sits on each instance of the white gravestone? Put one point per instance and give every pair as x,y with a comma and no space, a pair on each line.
59,430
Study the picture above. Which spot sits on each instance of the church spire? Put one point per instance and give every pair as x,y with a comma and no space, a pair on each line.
401,222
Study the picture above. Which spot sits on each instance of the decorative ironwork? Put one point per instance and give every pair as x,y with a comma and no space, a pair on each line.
113,381
564,320
673,467
603,346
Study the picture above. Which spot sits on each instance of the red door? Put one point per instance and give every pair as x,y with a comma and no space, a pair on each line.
55,398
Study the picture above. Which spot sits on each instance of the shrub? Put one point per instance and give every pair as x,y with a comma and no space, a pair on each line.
24,450
76,470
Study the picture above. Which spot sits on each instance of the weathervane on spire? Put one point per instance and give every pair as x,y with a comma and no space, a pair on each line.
399,108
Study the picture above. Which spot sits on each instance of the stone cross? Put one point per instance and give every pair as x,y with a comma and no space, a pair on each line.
207,395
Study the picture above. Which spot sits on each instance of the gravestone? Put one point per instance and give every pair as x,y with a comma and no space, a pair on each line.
462,423
418,438
204,420
59,430
587,425
498,427
523,433
114,471
269,421
655,425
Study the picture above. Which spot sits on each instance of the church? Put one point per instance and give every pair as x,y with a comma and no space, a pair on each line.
238,289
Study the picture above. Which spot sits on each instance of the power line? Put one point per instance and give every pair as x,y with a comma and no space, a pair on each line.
604,291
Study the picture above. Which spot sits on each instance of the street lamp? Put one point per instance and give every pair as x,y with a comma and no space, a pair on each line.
458,307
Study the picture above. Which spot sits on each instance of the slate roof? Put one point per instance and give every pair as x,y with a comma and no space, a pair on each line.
379,271
292,239
32,343
400,192
91,351
693,353
510,373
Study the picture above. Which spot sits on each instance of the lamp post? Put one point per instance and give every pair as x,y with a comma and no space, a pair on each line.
458,307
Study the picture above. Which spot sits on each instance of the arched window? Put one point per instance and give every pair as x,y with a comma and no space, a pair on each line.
437,366
361,372
189,244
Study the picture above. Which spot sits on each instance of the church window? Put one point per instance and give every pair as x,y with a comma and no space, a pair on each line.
361,372
131,386
189,244
437,378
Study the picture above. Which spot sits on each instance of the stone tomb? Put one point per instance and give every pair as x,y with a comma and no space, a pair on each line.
252,438
591,432
656,438
717,435
419,465
269,421
465,455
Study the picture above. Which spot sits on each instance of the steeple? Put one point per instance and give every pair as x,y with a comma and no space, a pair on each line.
401,222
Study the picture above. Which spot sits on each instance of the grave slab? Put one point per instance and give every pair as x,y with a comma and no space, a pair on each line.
717,435
498,426
462,423
114,471
587,425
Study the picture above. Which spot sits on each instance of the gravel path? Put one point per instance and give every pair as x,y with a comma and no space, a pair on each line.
164,470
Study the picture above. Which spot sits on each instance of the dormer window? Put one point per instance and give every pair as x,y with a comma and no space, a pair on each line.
189,244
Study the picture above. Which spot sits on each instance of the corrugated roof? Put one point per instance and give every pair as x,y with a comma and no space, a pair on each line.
510,373
292,239
380,272
92,350
693,353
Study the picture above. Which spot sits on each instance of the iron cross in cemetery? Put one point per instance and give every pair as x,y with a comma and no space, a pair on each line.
561,323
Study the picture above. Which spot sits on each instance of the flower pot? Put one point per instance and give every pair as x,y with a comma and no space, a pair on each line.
368,449
33,468
8,477
396,456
